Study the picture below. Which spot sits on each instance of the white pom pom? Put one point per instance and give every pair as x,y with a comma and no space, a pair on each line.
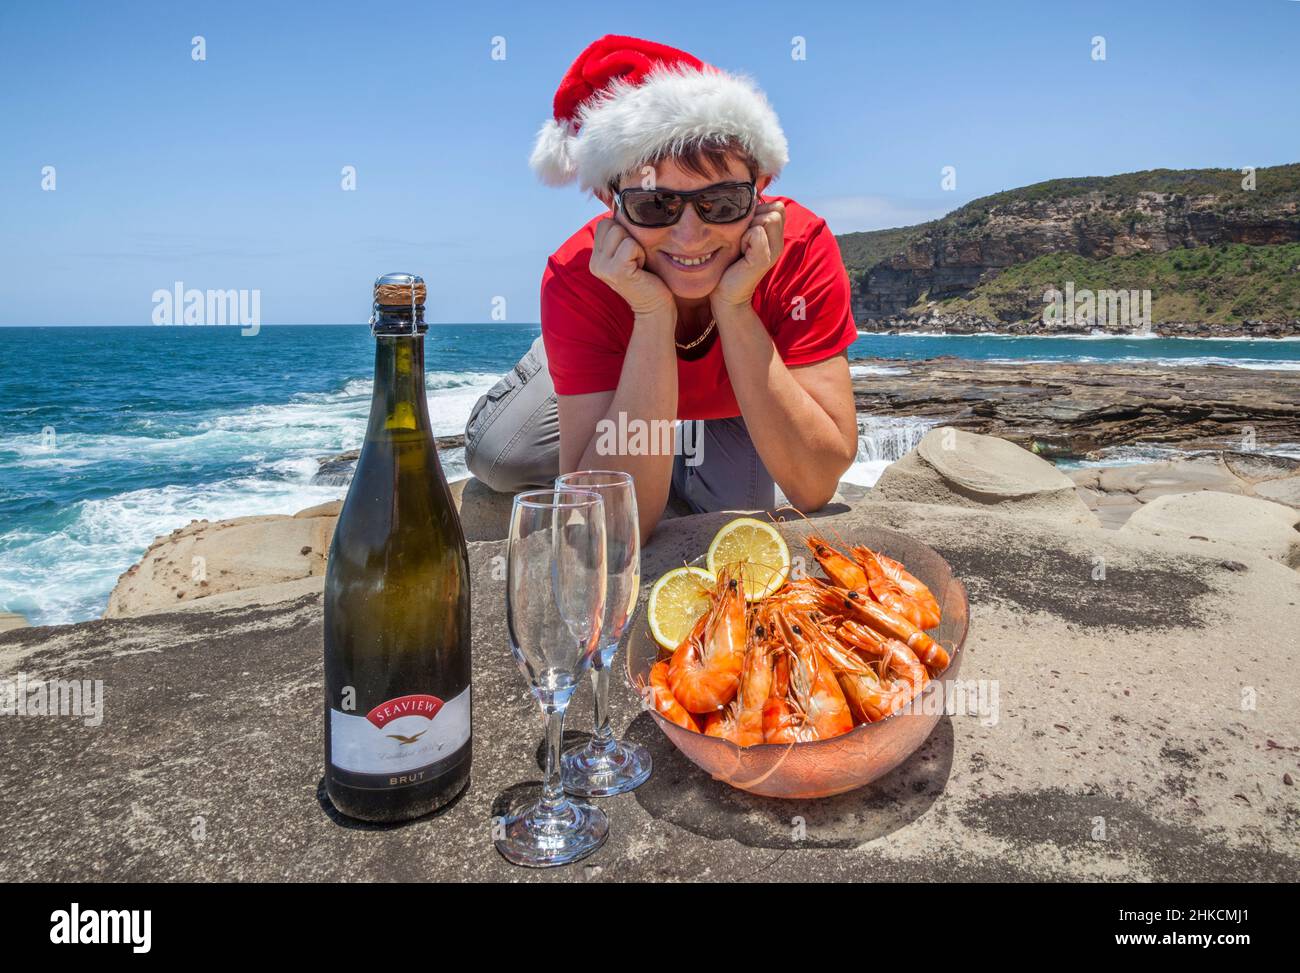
552,157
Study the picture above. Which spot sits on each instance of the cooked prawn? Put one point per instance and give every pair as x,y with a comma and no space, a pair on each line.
755,687
801,594
722,723
843,571
704,671
869,697
895,655
883,620
806,701
896,589
663,700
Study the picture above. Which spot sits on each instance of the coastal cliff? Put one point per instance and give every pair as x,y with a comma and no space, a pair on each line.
1217,249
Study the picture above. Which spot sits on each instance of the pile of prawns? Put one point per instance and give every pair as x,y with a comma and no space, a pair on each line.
809,662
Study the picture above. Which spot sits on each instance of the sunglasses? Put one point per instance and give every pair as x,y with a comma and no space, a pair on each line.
727,202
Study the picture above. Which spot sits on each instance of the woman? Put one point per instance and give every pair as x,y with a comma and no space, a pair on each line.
694,298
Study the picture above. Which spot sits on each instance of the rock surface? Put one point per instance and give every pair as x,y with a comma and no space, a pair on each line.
958,468
1246,522
11,620
1114,493
207,765
206,558
263,560
337,469
1071,410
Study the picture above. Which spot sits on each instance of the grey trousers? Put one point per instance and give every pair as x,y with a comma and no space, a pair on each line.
512,443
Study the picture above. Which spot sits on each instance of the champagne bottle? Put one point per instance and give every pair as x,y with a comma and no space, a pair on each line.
397,635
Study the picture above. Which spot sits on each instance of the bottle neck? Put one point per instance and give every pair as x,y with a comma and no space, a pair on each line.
399,404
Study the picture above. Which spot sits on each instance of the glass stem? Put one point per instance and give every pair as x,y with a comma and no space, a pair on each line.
602,742
553,798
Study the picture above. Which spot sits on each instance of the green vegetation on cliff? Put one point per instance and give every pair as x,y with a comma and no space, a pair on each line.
1213,285
1103,232
1275,186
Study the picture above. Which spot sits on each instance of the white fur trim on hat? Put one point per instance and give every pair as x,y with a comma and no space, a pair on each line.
552,158
626,126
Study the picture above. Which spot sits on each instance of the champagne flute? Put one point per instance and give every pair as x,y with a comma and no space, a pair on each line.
605,766
555,605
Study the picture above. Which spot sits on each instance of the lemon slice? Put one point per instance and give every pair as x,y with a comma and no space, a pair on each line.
677,601
759,547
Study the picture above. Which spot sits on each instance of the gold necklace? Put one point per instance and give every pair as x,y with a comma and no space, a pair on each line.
692,344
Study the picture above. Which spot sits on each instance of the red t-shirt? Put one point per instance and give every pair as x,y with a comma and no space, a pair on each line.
586,326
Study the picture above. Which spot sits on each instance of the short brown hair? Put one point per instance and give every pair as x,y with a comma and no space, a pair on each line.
707,156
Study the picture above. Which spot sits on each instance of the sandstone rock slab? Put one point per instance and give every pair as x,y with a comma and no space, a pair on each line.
1248,523
1151,480
211,558
951,466
11,620
1285,490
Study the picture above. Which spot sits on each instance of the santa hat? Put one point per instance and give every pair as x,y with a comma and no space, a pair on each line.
625,102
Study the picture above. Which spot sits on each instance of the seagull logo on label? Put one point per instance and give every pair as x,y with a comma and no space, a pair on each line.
406,741
415,705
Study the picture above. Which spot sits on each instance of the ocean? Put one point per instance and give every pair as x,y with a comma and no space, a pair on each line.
110,437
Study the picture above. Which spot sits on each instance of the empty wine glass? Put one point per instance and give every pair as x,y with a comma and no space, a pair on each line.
555,605
606,766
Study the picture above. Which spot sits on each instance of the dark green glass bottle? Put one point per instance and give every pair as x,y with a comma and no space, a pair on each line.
397,607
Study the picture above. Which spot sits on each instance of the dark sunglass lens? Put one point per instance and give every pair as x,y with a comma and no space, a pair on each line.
651,208
725,205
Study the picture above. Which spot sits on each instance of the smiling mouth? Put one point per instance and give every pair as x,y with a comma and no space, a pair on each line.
691,263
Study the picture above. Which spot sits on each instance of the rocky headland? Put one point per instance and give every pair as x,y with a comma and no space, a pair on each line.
1217,250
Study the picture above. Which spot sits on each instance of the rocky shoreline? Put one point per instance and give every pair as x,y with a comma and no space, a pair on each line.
1059,410
1221,423
1074,410
933,321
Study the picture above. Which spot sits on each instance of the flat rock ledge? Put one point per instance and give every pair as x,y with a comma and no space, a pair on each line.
1144,729
214,565
205,559
1245,522
1115,493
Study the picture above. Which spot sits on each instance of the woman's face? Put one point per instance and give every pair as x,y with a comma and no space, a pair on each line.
673,252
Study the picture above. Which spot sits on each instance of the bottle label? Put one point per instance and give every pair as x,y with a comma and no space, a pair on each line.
403,735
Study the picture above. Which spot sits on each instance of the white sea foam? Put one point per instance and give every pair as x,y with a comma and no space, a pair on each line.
881,441
1256,364
67,575
861,371
1090,336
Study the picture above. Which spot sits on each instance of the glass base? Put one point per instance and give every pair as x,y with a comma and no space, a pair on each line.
588,773
529,838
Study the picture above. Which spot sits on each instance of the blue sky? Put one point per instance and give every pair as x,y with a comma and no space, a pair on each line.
226,173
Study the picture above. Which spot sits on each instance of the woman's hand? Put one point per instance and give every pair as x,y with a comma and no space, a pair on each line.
618,260
760,248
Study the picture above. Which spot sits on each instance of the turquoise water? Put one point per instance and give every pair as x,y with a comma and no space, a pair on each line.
110,437
153,427
1240,352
